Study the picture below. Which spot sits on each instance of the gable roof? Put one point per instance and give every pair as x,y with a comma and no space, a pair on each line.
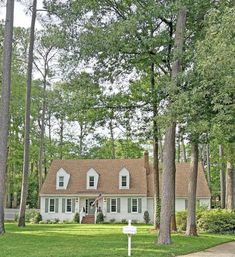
108,170
181,183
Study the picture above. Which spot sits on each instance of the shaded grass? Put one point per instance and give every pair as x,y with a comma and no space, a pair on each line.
74,240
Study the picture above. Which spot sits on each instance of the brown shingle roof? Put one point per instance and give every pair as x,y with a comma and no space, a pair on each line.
181,185
108,171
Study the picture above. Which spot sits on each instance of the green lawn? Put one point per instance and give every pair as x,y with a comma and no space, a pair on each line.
70,240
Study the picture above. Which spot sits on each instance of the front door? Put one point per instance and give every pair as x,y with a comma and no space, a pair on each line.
89,207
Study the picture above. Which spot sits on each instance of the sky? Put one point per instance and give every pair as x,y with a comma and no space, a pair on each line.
21,18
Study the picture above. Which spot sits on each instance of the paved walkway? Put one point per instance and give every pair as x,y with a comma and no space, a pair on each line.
224,250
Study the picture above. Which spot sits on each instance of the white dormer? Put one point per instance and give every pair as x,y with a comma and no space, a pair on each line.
92,179
124,179
62,179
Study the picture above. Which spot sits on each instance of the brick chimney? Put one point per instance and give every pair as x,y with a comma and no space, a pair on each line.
146,162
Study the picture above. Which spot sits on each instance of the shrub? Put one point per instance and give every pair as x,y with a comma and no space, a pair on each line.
217,221
181,220
42,222
112,220
100,218
57,221
37,218
134,222
31,215
146,217
76,217
124,221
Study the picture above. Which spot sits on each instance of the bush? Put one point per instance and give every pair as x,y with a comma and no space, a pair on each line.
146,217
76,217
100,218
181,220
134,222
124,221
31,215
112,220
37,218
217,221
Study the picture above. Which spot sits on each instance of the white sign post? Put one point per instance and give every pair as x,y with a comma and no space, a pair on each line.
129,231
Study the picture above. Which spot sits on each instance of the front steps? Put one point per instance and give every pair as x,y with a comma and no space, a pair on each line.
88,219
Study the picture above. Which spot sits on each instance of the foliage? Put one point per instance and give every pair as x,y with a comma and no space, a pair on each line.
146,217
181,220
100,217
112,221
76,217
31,215
124,221
217,221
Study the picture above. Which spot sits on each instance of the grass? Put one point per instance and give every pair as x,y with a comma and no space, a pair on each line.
72,240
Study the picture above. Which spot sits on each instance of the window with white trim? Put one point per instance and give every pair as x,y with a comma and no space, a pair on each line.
68,205
91,181
124,181
52,205
134,205
61,181
113,205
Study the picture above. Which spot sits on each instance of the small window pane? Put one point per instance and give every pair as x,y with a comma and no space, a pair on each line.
91,181
61,181
69,205
124,181
134,205
52,205
113,205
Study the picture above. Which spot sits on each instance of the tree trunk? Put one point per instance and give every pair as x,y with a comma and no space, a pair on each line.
230,186
5,102
24,188
161,150
112,139
167,186
62,138
192,188
208,165
184,156
169,145
41,150
156,217
222,178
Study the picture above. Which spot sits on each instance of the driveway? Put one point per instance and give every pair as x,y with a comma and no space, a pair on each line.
224,250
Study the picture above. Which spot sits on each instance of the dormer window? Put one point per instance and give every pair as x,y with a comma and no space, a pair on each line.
92,178
124,179
91,181
61,181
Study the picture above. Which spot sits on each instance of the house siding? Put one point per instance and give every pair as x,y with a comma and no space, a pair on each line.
46,215
124,214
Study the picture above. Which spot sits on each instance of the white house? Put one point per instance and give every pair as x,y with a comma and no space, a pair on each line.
124,187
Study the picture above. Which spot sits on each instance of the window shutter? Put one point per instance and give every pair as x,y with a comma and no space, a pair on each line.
129,205
118,205
46,205
56,205
139,205
73,205
63,205
108,205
